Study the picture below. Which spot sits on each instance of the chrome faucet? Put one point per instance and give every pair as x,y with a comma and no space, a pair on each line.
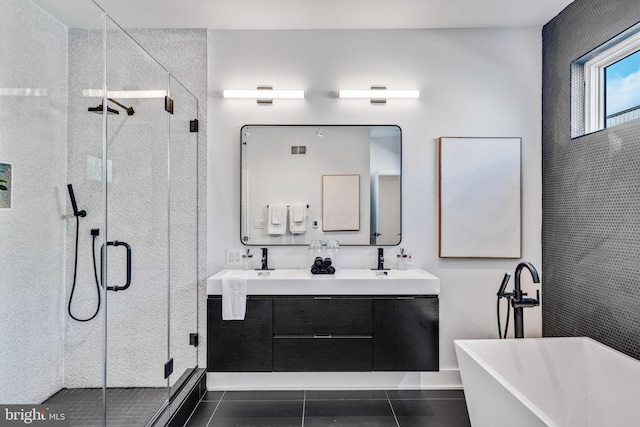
518,302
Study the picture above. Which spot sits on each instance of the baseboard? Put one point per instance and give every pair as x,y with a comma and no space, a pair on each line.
444,379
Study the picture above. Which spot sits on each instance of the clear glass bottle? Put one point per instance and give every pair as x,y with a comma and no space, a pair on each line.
315,250
333,248
246,260
402,260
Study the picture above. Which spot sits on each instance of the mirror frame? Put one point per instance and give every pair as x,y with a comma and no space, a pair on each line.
242,183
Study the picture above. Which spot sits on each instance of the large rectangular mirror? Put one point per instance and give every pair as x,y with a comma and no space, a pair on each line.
329,182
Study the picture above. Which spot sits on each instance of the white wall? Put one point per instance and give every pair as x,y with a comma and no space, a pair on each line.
33,132
473,82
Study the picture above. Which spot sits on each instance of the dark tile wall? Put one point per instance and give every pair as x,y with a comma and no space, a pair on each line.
591,193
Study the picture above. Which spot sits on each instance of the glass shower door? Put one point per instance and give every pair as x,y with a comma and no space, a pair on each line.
136,246
183,247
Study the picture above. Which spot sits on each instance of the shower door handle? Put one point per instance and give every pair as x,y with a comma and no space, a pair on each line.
128,248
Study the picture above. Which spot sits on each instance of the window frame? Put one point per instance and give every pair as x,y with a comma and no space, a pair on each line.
594,84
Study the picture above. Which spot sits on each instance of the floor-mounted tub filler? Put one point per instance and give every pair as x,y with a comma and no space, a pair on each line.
568,382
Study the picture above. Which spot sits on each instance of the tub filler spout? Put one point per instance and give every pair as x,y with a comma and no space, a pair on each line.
519,302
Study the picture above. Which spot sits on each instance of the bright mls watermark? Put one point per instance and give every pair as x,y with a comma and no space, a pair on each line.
34,415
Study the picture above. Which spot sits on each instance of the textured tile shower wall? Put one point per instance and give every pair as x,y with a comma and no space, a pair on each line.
137,328
591,194
184,53
33,134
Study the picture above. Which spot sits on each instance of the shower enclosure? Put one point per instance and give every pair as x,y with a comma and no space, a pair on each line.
86,105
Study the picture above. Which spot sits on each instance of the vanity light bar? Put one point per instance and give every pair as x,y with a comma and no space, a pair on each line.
23,91
122,94
379,94
263,94
254,94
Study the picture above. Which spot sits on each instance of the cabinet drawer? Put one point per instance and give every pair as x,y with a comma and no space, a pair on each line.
323,315
322,354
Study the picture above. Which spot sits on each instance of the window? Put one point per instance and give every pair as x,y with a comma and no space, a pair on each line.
606,84
622,90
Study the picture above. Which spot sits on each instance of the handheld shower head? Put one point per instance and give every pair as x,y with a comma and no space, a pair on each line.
72,196
503,285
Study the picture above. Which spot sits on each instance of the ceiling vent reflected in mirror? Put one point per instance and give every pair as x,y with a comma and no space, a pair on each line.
297,150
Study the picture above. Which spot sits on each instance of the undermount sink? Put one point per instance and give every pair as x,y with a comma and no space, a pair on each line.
343,282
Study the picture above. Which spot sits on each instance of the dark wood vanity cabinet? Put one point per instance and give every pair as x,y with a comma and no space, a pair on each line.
406,334
240,345
338,333
322,334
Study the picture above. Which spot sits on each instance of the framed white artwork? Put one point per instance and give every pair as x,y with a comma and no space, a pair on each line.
479,197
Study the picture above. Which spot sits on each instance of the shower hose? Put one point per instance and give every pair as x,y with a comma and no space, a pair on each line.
75,271
506,327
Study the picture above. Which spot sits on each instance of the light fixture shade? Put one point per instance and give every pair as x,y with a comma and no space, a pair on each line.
263,94
379,94
122,94
23,91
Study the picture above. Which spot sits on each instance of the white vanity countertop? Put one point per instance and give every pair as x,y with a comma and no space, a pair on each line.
344,282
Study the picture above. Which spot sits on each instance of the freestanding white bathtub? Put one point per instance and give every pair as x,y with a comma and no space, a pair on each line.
568,382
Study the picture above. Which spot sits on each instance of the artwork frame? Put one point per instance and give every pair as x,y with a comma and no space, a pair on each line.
480,197
6,185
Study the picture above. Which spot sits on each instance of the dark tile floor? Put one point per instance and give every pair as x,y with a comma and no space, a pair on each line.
126,407
339,408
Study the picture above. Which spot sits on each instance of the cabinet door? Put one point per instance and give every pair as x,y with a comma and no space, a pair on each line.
405,334
240,345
